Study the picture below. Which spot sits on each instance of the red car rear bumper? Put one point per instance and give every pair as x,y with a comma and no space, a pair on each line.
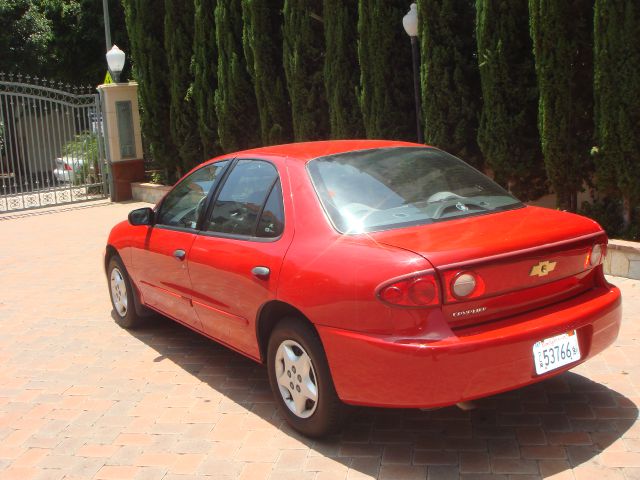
472,363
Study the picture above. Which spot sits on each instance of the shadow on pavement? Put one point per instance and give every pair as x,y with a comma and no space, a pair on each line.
566,420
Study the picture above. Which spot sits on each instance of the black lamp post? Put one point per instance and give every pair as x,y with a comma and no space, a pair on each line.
410,24
107,26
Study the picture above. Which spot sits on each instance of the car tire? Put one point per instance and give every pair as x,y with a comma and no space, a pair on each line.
122,295
300,379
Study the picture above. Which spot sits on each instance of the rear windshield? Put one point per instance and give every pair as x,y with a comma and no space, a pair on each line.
385,188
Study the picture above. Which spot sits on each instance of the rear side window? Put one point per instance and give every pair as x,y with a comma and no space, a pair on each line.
240,201
380,189
271,223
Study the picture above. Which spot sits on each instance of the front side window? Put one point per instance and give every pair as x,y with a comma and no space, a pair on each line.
242,197
380,189
182,205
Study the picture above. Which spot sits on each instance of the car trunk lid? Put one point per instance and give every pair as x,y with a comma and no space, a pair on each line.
522,259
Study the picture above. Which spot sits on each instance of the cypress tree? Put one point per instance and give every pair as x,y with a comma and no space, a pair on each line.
617,108
145,25
238,126
450,77
205,73
562,34
386,75
303,58
178,42
508,132
262,40
341,73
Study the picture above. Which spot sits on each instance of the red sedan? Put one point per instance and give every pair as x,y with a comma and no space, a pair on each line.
367,273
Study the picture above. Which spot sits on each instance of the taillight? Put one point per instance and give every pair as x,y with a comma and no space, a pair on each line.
418,291
67,167
596,255
463,284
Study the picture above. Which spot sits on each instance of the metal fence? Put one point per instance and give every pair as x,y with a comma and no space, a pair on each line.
51,144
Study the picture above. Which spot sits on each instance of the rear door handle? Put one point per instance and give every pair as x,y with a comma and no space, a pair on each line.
180,254
261,272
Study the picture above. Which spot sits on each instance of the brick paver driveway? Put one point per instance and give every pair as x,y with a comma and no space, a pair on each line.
83,398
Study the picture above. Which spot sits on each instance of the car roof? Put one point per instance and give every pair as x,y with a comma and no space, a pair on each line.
305,151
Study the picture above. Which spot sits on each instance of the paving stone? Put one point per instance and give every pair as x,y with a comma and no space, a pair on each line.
620,459
435,457
556,469
363,468
187,463
483,476
514,466
597,472
632,473
291,460
504,448
360,450
569,438
81,398
402,472
543,452
221,467
531,436
474,462
151,473
257,471
397,454
441,472
112,472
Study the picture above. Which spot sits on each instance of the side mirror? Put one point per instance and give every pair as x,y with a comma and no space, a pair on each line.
141,216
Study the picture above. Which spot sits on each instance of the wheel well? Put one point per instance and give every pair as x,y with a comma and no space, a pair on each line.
110,252
140,308
269,316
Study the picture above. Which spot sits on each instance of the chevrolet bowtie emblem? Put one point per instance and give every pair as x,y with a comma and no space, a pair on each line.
542,269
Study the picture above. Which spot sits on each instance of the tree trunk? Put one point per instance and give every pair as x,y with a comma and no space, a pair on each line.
567,200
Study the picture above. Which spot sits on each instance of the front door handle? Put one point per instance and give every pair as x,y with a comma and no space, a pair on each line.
180,254
261,272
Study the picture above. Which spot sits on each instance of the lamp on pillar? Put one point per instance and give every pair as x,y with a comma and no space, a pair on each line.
410,24
115,60
121,127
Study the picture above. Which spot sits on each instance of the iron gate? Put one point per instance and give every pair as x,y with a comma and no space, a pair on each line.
51,144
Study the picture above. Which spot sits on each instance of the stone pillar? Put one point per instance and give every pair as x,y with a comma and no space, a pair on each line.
123,141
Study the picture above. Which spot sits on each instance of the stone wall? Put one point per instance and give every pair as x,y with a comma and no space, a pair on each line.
148,192
623,259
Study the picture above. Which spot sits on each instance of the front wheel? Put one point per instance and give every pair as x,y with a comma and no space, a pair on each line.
121,294
300,379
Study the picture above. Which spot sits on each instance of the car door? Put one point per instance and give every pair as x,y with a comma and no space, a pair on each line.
160,259
235,259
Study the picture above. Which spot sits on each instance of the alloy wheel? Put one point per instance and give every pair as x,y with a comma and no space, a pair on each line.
118,292
296,379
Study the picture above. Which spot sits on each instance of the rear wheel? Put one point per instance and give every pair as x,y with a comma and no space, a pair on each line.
300,379
122,295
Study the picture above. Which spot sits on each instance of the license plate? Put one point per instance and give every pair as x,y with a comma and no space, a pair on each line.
554,352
